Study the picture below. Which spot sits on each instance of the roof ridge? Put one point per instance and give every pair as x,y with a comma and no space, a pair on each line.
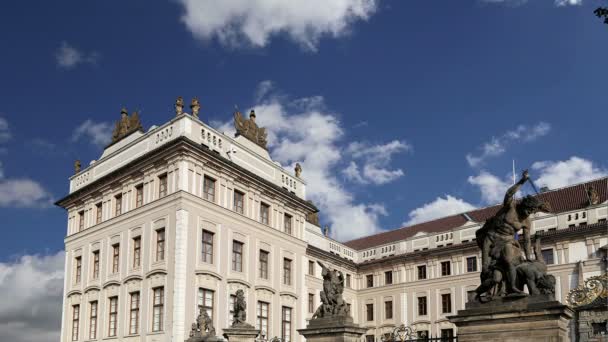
386,231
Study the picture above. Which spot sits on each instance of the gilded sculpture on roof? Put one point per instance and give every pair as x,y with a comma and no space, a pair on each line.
126,125
249,129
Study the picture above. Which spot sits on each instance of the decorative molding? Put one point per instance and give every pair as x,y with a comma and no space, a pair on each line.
267,288
155,271
110,283
210,273
238,281
132,277
288,294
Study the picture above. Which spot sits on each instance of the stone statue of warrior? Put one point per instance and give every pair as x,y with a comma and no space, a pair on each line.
240,309
501,252
333,287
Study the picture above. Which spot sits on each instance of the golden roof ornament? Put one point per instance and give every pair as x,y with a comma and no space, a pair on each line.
195,106
179,106
298,170
249,129
126,125
594,289
77,166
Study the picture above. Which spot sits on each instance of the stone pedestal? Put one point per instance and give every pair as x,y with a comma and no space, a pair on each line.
529,319
206,339
241,333
332,329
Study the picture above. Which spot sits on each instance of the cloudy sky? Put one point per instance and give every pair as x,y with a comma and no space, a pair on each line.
398,111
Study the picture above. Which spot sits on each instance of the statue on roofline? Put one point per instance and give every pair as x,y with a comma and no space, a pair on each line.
126,125
249,129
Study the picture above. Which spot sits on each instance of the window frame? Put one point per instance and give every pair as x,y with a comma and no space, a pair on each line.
286,323
422,271
369,280
311,303
78,270
136,252
134,307
99,213
95,267
118,205
265,213
388,309
446,303
388,277
139,195
369,312
75,322
446,270
158,309
93,319
207,246
287,224
116,258
238,206
237,256
163,185
160,244
471,264
287,268
261,320
113,316
263,264
203,296
81,220
552,259
209,195
422,304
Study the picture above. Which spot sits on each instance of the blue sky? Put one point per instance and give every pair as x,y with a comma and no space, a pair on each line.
437,79
400,111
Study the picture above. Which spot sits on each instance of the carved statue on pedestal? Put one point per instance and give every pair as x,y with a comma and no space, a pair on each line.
504,269
333,304
240,309
126,125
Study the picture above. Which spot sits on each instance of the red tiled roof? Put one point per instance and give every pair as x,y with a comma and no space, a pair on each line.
561,200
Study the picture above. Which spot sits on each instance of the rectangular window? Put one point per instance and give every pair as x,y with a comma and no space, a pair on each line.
369,311
139,195
78,272
311,267
446,303
80,220
472,264
134,314
158,306
98,210
445,268
209,189
370,338
96,265
205,301
207,249
118,205
75,321
115,258
113,317
262,317
286,271
93,321
239,199
388,277
422,306
348,280
370,280
237,256
162,186
136,252
421,272
160,244
287,223
264,213
447,335
548,256
263,264
286,324
388,309
311,303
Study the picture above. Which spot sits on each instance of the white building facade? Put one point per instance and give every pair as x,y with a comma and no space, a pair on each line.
176,219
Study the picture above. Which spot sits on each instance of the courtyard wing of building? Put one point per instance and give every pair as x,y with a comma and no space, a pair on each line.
174,220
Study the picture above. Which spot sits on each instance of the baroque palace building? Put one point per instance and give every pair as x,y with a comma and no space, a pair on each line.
175,219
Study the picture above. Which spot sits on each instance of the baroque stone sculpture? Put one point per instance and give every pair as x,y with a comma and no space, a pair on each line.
298,170
249,129
77,166
203,328
239,317
333,304
594,197
179,106
504,269
126,125
195,106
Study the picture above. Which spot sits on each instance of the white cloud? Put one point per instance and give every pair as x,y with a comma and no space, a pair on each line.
568,2
5,133
33,287
254,22
304,131
23,193
68,56
375,159
492,188
440,207
498,145
557,174
99,133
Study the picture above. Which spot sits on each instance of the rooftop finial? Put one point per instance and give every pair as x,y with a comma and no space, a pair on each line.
76,166
249,129
179,106
298,170
125,125
195,106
